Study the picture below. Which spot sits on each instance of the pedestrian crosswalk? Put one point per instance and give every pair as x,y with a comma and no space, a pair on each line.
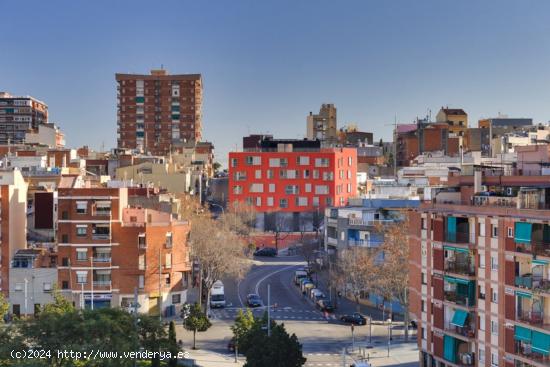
286,313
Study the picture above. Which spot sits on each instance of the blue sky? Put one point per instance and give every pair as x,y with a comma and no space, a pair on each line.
266,64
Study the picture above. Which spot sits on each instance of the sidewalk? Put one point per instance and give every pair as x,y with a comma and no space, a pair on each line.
205,358
401,354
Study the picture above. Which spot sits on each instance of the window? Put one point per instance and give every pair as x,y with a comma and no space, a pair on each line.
18,287
510,232
141,262
482,356
282,173
81,207
291,174
482,322
269,173
424,223
258,201
233,162
350,162
301,201
423,278
315,201
424,333
142,241
342,235
482,229
306,173
270,201
284,162
81,254
494,230
329,201
283,203
249,160
423,305
258,174
65,284
65,261
303,161
316,174
308,187
168,261
321,162
271,187
494,296
494,263
176,299
349,188
321,189
257,187
494,327
482,261
141,281
292,189
167,279
481,291
81,230
494,359
81,277
47,286
237,190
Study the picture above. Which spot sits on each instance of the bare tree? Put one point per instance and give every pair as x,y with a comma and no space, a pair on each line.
219,251
392,278
356,270
240,218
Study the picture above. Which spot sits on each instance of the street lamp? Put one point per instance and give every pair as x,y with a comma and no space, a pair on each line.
389,336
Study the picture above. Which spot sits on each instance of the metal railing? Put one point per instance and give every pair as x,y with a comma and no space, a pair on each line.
467,331
523,349
457,237
460,268
459,299
531,317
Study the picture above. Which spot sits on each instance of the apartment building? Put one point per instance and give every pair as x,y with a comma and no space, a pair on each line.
158,113
456,118
18,115
13,221
33,277
323,126
107,250
293,177
479,279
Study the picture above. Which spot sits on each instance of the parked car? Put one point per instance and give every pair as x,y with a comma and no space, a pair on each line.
253,300
355,319
299,274
303,280
266,251
307,287
316,293
325,305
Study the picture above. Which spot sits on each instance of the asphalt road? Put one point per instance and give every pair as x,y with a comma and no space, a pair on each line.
322,339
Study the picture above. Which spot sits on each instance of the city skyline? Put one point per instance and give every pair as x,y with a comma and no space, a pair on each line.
265,67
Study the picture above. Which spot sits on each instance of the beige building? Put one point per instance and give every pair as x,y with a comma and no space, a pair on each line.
455,117
323,126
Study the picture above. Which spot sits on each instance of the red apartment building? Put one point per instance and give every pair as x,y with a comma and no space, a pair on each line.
480,272
107,249
160,112
292,176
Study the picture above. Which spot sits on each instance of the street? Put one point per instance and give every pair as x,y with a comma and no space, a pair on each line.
323,339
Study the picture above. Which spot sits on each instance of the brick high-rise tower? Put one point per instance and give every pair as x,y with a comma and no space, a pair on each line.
158,112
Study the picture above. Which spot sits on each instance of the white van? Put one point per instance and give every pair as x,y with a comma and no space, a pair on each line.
217,295
299,274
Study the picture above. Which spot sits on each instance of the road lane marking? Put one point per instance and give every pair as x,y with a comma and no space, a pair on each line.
271,274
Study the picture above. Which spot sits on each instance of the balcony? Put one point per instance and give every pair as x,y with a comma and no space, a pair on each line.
457,352
531,317
541,285
102,283
457,230
459,268
461,324
102,259
459,291
524,281
526,350
457,237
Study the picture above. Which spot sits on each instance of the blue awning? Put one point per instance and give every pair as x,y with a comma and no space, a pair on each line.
456,249
540,343
459,318
449,348
522,232
457,280
522,334
540,262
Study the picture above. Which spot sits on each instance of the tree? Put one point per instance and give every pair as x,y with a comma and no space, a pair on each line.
219,252
60,304
278,350
240,218
173,347
4,307
152,336
195,320
356,270
393,273
216,166
244,322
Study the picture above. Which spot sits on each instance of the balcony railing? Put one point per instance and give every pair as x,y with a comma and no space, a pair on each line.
541,285
457,237
524,350
102,259
459,268
467,331
524,281
540,248
459,299
101,236
102,283
531,317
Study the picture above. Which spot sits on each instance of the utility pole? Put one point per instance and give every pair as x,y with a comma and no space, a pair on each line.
82,303
92,283
135,315
26,298
269,310
160,294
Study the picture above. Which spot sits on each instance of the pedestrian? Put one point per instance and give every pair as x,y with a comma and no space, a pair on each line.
339,294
